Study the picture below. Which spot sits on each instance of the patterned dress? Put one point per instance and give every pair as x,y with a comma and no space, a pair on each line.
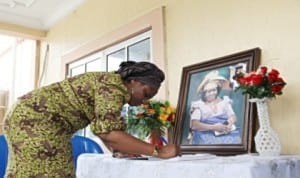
40,125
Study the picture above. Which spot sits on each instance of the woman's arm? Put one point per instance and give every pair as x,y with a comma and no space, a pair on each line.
122,142
231,115
231,120
196,125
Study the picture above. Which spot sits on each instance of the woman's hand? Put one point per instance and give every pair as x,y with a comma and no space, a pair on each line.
123,144
168,151
222,128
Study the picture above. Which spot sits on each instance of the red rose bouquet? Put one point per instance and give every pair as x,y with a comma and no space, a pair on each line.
260,84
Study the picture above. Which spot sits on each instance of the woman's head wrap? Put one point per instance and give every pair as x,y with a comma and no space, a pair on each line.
144,72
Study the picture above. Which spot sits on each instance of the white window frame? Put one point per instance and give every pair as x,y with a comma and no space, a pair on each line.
102,55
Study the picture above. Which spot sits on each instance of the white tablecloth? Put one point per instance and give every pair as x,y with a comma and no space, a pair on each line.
196,166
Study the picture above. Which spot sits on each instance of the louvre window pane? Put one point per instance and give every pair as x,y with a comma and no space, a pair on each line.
77,70
114,59
140,51
96,65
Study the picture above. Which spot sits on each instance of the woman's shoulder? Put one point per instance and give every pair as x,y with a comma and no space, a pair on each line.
197,103
225,100
107,77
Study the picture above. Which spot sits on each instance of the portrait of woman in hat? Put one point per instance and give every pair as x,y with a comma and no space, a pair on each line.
212,118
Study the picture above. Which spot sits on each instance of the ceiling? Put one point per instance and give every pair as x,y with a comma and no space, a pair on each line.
36,14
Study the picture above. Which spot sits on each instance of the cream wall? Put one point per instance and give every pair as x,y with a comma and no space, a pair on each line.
199,30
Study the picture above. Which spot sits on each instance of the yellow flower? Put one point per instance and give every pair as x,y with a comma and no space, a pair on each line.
163,117
170,110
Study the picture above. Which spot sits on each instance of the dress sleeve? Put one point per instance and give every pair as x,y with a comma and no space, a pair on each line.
109,100
228,106
195,110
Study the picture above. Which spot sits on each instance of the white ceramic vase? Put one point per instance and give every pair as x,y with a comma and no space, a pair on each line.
267,142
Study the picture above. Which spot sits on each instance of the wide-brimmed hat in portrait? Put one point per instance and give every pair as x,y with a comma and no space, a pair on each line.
214,77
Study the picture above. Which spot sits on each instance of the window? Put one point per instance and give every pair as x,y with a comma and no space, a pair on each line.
91,63
137,48
152,21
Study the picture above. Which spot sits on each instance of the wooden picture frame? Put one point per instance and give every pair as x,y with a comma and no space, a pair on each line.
192,108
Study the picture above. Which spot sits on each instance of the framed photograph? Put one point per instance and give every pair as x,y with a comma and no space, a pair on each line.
211,116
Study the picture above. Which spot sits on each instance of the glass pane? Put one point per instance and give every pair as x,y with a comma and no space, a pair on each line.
140,51
96,65
114,59
77,70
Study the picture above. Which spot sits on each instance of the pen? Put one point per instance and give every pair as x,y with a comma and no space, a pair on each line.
137,158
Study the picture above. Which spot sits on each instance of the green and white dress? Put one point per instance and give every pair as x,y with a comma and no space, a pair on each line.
40,125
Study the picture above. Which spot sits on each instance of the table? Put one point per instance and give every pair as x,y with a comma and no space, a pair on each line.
196,166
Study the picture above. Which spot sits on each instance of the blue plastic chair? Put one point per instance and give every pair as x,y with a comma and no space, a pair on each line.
3,155
81,145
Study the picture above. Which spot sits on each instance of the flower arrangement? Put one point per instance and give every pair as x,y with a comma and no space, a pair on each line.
260,84
155,115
